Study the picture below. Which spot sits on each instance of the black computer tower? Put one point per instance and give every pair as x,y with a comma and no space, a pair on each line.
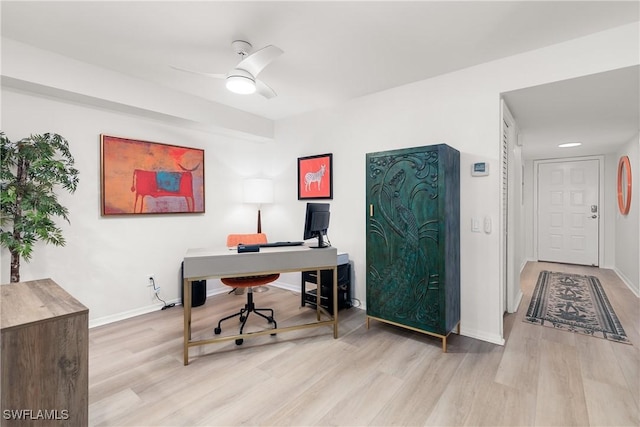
344,287
198,290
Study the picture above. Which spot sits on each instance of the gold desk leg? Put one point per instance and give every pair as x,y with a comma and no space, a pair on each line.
186,291
318,293
335,302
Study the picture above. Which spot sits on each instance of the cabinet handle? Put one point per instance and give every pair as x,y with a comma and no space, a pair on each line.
371,210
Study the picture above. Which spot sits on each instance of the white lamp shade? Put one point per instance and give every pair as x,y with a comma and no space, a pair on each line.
258,190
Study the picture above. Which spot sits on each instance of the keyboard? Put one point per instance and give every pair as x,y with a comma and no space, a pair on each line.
278,244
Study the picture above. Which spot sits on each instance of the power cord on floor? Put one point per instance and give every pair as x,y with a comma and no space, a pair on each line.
156,291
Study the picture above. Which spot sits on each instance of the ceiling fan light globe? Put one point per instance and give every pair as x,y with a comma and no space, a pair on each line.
241,84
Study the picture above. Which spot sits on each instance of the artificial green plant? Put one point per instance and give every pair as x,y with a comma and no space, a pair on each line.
31,170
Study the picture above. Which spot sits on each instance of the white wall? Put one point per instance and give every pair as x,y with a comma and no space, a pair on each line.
106,260
627,248
461,109
453,109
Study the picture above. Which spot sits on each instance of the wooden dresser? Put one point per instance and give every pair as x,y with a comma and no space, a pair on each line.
44,356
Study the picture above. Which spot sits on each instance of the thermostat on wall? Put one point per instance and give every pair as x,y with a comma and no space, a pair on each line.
480,169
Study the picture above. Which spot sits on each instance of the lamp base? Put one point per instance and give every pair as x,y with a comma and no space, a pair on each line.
259,222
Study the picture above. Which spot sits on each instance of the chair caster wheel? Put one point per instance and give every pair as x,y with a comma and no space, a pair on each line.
217,331
239,341
273,335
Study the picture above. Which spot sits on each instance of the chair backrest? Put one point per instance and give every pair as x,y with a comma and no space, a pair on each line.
246,239
249,281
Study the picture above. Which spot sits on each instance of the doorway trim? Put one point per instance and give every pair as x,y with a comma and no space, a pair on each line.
510,211
601,164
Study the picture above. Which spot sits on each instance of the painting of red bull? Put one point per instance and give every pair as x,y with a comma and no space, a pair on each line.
142,177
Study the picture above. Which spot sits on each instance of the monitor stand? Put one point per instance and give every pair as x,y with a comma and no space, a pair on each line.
321,243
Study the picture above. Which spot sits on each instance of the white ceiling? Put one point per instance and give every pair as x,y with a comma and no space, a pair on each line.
601,111
333,50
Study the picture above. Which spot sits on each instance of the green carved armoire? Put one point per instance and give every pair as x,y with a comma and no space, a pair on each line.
413,239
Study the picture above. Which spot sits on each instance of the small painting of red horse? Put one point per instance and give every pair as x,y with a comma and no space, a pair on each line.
140,177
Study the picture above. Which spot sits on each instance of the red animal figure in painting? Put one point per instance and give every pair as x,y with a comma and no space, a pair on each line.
163,184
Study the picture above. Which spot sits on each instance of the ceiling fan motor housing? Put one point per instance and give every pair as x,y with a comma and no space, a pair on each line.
241,47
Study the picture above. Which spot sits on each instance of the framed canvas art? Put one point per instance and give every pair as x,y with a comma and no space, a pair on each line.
315,177
141,177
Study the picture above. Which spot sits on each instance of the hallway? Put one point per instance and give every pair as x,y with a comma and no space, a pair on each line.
577,379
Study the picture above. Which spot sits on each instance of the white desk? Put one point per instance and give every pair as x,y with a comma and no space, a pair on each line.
208,263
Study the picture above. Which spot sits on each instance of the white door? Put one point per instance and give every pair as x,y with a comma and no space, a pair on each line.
568,211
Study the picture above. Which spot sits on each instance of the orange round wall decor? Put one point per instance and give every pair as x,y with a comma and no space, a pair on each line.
624,185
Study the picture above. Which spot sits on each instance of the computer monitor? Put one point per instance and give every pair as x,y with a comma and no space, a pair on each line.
316,223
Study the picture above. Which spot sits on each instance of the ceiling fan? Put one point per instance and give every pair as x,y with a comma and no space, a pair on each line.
242,78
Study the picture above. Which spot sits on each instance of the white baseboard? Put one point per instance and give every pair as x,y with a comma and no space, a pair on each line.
215,290
129,314
627,282
516,304
468,332
287,286
475,334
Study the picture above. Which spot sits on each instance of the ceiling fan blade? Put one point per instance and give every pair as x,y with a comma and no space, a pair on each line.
256,62
202,73
263,89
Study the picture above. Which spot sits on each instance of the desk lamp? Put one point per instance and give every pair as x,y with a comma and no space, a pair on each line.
258,191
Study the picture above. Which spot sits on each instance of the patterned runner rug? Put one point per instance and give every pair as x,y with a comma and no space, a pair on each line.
574,303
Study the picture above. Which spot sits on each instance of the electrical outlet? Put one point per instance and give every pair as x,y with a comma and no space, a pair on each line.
152,284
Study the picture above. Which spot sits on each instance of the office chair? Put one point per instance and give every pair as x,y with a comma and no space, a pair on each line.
248,282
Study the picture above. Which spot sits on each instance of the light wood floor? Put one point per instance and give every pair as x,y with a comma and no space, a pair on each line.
383,376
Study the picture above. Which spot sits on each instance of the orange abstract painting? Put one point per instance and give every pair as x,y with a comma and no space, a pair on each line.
141,177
